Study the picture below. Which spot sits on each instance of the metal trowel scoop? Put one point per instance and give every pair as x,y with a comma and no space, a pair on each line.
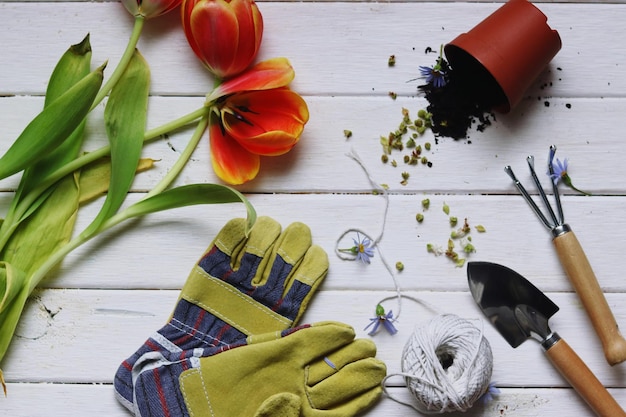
519,310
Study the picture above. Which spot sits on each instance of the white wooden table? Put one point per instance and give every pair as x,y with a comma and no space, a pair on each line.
109,295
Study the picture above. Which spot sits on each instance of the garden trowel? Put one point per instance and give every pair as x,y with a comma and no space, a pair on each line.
519,310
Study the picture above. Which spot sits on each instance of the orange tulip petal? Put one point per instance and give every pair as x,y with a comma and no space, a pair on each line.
231,162
214,28
266,122
269,74
186,10
250,34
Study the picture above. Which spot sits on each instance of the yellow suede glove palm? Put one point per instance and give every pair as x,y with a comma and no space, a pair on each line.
311,371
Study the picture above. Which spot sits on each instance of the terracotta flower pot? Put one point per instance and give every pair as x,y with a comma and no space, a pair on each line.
505,53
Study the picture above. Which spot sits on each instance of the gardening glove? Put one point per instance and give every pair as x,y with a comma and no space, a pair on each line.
313,371
241,286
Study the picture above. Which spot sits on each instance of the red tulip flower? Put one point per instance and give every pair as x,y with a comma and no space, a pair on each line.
254,115
224,34
150,8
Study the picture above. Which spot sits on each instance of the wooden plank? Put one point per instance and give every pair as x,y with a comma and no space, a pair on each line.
159,250
44,400
587,134
591,61
81,336
52,399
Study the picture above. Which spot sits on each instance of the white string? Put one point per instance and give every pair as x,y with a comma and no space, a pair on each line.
447,365
375,242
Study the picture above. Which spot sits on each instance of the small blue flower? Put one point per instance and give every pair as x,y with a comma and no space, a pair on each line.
362,249
488,396
557,171
381,318
434,75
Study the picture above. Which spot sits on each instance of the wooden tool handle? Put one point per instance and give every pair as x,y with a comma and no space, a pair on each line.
583,380
583,279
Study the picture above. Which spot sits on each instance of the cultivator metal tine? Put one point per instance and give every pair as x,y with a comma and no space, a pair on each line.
527,197
555,188
531,164
558,219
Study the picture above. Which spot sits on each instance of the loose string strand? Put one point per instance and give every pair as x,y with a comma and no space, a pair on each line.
375,242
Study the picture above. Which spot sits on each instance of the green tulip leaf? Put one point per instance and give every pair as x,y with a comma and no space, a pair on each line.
188,195
52,125
11,282
125,117
9,318
73,66
94,178
46,229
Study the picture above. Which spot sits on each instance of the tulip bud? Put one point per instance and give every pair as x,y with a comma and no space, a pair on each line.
150,8
224,34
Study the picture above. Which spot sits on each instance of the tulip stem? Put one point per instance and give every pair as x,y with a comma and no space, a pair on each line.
8,226
123,63
182,159
87,235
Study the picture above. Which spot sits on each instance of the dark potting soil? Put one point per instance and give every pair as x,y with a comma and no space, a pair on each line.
461,103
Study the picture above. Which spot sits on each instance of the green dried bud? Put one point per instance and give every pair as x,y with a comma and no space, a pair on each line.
480,228
391,61
422,113
446,208
407,159
469,248
427,146
384,158
405,175
419,217
453,221
380,311
347,133
399,266
425,203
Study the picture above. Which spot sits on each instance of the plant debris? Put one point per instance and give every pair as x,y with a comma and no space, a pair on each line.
459,237
405,139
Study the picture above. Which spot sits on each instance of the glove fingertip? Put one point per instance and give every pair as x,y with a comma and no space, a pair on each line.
231,236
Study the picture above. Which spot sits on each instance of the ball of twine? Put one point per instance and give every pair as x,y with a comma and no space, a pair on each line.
447,364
